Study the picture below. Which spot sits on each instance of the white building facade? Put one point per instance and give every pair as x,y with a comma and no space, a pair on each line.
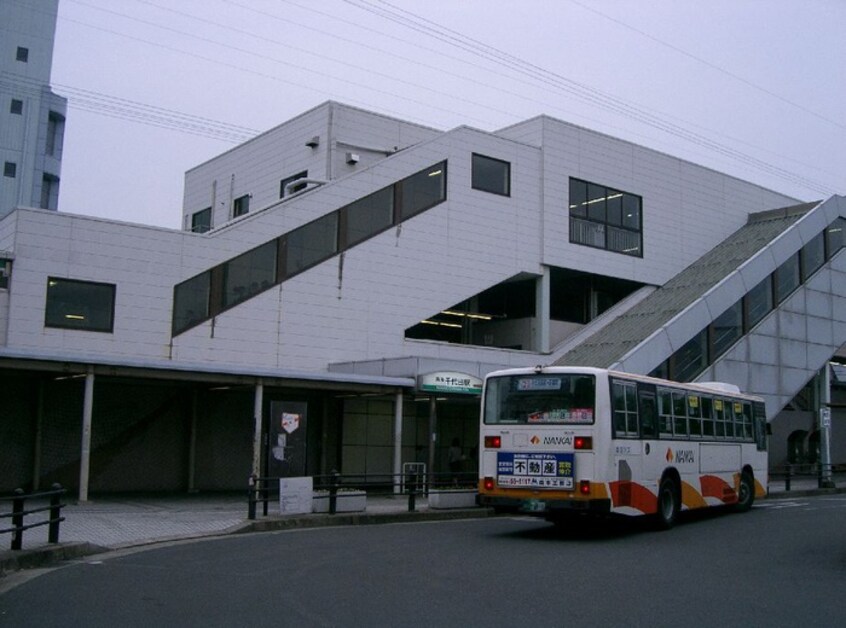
334,267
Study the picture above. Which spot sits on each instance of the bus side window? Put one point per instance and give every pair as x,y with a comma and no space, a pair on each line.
679,414
707,417
648,416
694,420
719,418
665,413
729,409
619,393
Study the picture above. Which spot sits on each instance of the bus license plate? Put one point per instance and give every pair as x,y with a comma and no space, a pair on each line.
536,470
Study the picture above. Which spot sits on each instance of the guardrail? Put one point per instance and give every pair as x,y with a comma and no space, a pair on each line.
795,471
19,511
413,484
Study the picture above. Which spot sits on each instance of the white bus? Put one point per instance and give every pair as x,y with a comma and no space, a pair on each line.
560,441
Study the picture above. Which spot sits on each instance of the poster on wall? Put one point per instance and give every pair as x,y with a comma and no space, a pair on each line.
286,455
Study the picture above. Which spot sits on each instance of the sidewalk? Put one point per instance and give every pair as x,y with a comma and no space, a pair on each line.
110,523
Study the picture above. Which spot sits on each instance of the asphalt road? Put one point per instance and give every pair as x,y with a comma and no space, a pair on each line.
782,564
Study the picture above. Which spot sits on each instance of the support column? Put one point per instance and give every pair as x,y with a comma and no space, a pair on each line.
824,414
39,427
433,438
85,454
257,415
192,443
542,308
398,443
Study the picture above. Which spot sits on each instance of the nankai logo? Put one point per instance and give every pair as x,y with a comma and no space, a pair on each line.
552,440
680,456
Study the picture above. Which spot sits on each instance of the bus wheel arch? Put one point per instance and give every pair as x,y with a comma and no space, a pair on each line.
669,500
746,490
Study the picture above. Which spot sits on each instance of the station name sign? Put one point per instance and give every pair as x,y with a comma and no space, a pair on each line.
450,382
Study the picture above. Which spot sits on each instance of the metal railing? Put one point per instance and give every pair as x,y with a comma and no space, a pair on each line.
19,512
412,483
796,471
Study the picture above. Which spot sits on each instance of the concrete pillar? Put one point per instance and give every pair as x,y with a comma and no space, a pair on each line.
433,437
542,308
192,443
39,426
257,415
85,454
824,415
398,443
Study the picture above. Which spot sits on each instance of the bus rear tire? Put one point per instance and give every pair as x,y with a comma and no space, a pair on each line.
668,504
746,494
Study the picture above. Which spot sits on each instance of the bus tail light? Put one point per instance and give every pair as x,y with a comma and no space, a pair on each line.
583,442
584,487
493,442
488,484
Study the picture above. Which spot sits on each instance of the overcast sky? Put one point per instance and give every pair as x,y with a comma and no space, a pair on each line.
753,88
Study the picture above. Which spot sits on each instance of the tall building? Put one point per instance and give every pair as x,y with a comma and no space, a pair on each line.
32,117
342,282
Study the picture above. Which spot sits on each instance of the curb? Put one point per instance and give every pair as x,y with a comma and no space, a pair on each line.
46,556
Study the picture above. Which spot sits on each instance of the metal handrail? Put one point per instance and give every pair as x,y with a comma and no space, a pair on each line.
19,511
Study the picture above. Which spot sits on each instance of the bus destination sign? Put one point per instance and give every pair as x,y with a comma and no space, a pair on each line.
535,470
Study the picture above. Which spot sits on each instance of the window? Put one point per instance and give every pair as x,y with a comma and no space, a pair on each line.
249,274
5,273
16,106
787,278
758,302
834,237
74,304
49,191
10,169
368,216
726,329
191,302
423,190
283,184
22,54
625,409
605,218
691,359
491,175
201,220
311,243
241,205
55,132
813,255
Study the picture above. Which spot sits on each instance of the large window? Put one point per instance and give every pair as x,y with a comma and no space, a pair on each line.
311,243
813,255
605,218
191,302
249,274
491,175
86,305
758,302
787,278
726,329
423,190
368,216
5,273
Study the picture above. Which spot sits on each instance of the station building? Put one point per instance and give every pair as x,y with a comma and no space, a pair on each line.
342,283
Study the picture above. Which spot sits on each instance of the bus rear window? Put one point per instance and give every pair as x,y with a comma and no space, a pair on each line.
540,400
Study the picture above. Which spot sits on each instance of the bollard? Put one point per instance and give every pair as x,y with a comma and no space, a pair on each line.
55,513
411,484
787,478
251,498
333,492
17,519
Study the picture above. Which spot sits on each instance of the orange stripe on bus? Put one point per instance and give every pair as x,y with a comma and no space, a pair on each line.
633,495
691,497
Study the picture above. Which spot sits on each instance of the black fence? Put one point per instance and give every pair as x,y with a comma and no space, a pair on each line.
413,485
19,512
804,471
